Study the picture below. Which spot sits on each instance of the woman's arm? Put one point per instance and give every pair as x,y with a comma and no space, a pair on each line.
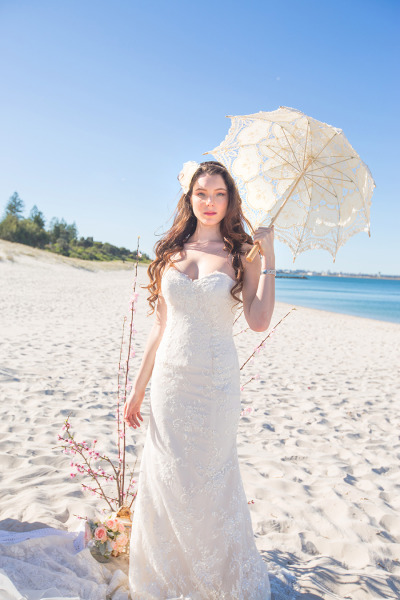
258,291
134,402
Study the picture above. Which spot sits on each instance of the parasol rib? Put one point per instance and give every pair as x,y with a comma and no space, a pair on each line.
291,190
308,215
321,186
290,145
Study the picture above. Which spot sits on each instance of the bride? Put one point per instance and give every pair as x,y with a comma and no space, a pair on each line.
192,536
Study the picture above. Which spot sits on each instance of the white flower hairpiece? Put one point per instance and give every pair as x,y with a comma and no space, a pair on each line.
185,176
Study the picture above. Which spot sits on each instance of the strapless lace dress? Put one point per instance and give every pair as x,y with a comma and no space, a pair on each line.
192,535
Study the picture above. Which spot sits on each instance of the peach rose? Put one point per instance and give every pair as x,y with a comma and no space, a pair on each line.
100,533
112,524
121,527
122,539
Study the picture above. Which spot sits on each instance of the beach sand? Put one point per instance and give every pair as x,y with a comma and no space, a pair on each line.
319,453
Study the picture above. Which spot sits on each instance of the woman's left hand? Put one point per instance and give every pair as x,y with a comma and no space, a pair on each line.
264,236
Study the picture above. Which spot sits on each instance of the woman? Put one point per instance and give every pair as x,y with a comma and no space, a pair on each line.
192,534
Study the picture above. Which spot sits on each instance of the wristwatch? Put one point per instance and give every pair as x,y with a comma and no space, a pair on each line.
268,271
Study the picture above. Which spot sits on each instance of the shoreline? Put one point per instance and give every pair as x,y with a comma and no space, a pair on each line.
20,254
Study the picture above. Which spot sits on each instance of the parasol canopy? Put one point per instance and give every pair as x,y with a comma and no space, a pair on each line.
300,175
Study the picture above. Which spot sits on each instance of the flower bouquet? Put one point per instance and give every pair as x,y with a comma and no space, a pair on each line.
107,538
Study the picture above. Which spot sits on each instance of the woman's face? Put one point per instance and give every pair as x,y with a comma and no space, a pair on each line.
210,199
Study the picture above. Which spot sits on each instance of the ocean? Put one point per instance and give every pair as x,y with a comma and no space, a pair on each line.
371,298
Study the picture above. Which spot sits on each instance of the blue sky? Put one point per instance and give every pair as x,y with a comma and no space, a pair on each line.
102,103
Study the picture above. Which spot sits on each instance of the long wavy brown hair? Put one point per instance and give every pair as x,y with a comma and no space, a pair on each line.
184,225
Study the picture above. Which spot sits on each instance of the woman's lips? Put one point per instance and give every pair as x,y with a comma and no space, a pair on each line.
210,213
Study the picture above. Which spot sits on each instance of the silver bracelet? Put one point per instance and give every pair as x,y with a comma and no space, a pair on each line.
268,271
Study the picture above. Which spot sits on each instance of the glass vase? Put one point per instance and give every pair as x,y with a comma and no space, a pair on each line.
97,554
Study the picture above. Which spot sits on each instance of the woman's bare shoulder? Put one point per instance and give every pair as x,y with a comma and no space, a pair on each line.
177,255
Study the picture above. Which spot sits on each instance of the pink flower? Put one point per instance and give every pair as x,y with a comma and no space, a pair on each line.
100,533
121,527
111,524
121,541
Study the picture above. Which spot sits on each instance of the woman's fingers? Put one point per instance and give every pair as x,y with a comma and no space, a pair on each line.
132,419
132,413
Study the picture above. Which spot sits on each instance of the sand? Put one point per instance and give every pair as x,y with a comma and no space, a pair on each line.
319,452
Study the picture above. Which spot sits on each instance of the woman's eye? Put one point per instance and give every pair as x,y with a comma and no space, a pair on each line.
219,194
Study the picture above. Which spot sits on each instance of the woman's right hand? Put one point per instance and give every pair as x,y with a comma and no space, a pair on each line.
132,409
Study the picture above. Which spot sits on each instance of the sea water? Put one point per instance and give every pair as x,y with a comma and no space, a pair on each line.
362,297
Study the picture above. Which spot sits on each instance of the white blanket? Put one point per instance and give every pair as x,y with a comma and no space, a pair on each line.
53,564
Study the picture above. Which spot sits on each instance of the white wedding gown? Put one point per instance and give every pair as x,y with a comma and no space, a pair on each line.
192,535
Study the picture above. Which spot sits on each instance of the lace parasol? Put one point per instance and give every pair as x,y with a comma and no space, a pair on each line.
300,175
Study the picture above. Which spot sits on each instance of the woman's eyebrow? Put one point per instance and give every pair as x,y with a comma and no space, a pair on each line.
201,188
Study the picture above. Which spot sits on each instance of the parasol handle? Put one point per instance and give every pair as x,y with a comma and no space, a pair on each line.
250,256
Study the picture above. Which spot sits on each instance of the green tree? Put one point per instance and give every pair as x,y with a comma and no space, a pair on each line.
37,217
60,231
9,228
23,231
15,206
85,242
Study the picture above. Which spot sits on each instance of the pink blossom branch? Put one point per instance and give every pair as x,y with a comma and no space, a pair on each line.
266,337
77,449
119,386
131,330
238,317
